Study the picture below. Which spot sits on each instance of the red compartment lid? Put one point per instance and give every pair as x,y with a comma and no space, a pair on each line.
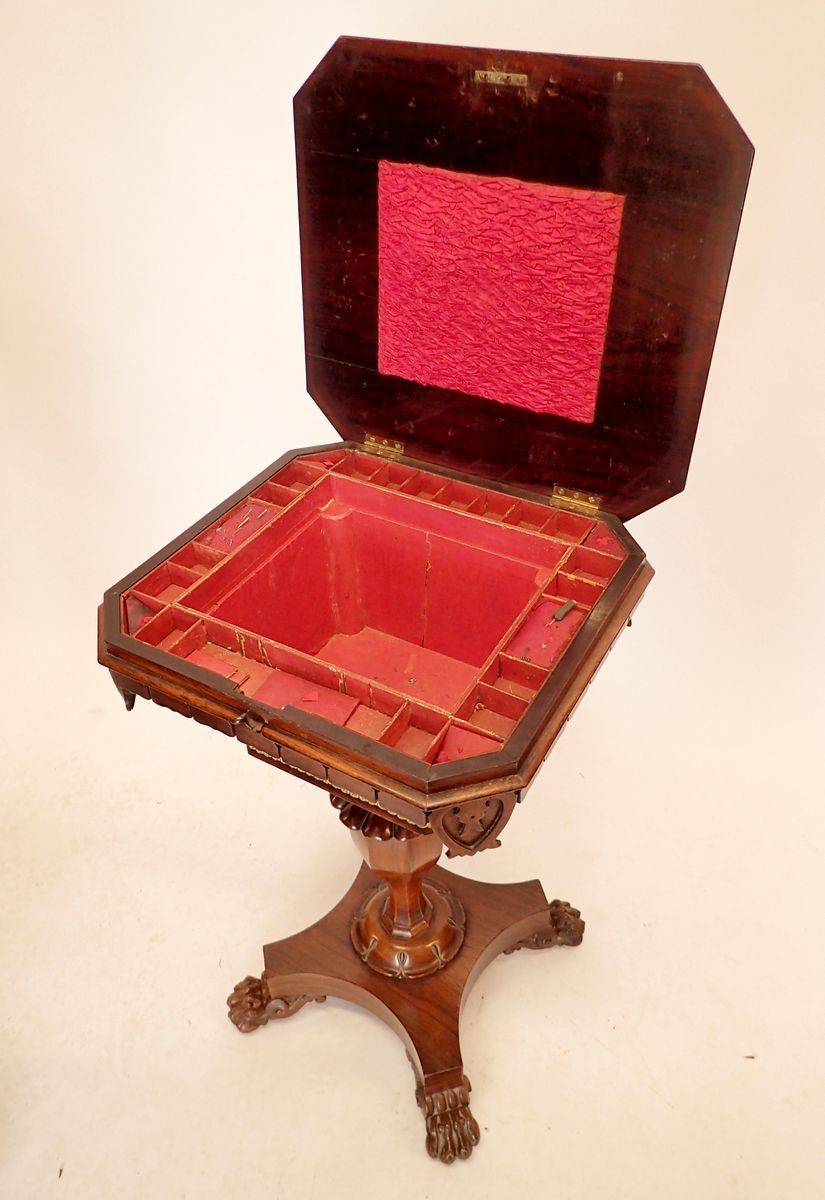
514,264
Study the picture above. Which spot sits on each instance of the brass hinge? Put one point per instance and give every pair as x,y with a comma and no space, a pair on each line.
386,447
588,501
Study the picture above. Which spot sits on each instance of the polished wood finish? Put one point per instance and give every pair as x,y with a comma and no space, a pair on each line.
658,134
408,939
424,1012
377,777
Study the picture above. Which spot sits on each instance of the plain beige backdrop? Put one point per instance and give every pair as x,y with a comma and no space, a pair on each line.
151,361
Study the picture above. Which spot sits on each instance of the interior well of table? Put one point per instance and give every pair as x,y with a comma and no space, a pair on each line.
410,608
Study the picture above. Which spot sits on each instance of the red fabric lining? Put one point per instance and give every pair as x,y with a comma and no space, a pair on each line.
238,525
383,606
400,664
495,287
540,639
281,689
463,743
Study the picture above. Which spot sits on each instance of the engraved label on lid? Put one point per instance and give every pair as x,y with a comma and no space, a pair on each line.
508,78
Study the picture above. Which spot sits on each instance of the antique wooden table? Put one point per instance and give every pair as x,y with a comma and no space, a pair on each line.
514,266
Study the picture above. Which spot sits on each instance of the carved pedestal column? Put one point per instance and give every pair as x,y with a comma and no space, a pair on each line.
407,946
406,926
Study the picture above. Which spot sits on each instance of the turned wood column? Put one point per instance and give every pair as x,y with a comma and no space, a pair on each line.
407,925
401,863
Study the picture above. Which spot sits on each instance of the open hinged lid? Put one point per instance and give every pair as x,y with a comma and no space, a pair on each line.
514,264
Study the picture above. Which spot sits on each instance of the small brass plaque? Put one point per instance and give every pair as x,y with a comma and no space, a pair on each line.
507,78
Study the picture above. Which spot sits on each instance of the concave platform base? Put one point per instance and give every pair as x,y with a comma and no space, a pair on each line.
321,962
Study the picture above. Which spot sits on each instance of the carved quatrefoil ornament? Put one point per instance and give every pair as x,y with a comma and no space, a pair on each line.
468,828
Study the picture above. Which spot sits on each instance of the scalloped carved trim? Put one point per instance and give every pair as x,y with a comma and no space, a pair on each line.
368,823
410,955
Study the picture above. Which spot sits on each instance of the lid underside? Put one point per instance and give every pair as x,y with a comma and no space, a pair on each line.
514,263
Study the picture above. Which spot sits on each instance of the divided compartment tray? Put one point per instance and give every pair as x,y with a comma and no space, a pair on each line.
412,608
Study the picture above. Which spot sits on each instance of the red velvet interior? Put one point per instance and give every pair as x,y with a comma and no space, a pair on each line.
412,609
495,287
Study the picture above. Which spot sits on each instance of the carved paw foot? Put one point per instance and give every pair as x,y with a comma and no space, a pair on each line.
250,1004
567,923
452,1130
565,928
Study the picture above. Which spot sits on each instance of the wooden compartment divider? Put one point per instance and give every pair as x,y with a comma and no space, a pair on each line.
174,607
